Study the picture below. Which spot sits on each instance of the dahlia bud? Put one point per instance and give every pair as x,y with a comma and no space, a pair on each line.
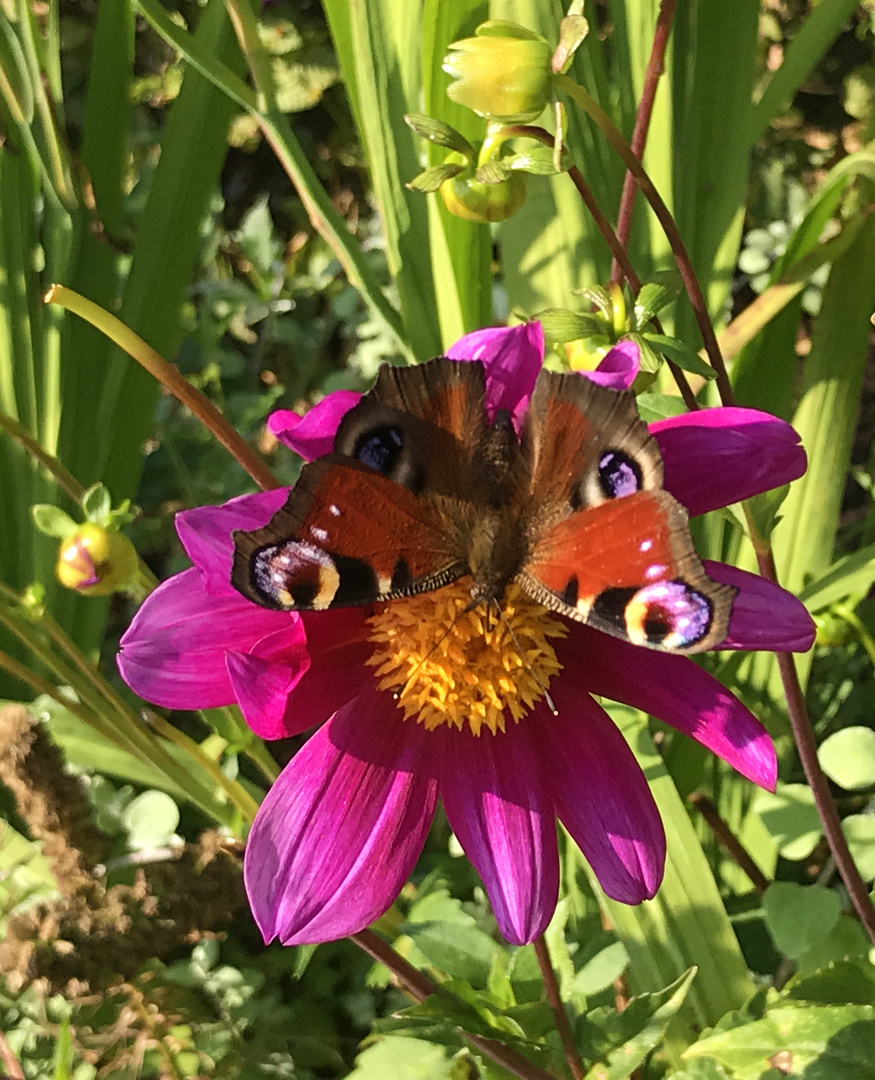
503,73
474,200
95,561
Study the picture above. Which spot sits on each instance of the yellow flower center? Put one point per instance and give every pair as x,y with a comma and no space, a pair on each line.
446,665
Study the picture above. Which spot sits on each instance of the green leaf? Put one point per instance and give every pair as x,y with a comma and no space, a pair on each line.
790,816
659,406
462,951
799,916
860,832
847,982
403,1058
52,521
151,820
638,1029
823,1043
850,576
848,757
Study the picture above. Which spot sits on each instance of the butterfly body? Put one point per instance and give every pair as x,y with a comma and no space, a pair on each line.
425,487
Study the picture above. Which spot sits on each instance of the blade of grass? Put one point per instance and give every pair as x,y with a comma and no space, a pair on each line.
378,46
461,251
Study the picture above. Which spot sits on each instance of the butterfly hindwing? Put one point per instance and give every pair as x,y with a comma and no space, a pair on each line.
608,546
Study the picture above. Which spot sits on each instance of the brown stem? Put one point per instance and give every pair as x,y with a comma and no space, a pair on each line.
655,70
685,266
10,1062
420,987
729,840
563,1026
613,241
806,744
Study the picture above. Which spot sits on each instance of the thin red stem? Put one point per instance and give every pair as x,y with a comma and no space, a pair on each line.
617,249
554,998
730,841
655,70
685,267
803,734
419,987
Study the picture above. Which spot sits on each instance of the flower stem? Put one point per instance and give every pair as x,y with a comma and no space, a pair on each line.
65,479
803,734
613,241
685,267
655,69
563,1026
10,1062
727,838
419,987
169,377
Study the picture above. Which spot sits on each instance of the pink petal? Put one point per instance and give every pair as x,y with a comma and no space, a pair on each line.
679,692
312,436
494,797
341,829
300,695
618,368
205,533
599,790
512,357
764,616
715,457
173,653
262,688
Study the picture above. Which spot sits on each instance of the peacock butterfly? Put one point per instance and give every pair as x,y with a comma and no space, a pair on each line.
423,488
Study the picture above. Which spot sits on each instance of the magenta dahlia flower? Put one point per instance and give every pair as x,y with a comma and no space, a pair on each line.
419,699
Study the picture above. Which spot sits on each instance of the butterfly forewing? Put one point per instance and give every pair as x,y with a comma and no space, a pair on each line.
386,514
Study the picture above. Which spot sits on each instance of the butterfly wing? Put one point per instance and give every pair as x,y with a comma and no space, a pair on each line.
385,515
607,545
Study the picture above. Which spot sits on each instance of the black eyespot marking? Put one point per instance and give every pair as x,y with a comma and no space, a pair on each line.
571,591
379,448
619,474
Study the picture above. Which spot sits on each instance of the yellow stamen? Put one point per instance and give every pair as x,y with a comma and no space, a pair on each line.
446,665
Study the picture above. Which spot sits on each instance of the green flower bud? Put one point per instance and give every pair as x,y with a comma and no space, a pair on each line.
474,200
95,561
504,73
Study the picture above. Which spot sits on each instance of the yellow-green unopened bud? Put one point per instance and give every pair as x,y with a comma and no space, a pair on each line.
475,201
502,77
95,561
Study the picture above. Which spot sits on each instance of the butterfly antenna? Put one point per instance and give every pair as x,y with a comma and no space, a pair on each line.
551,705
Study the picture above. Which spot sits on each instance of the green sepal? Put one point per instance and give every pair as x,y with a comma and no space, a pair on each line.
503,28
52,521
97,504
681,354
653,298
562,325
539,161
492,172
431,179
439,133
572,30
